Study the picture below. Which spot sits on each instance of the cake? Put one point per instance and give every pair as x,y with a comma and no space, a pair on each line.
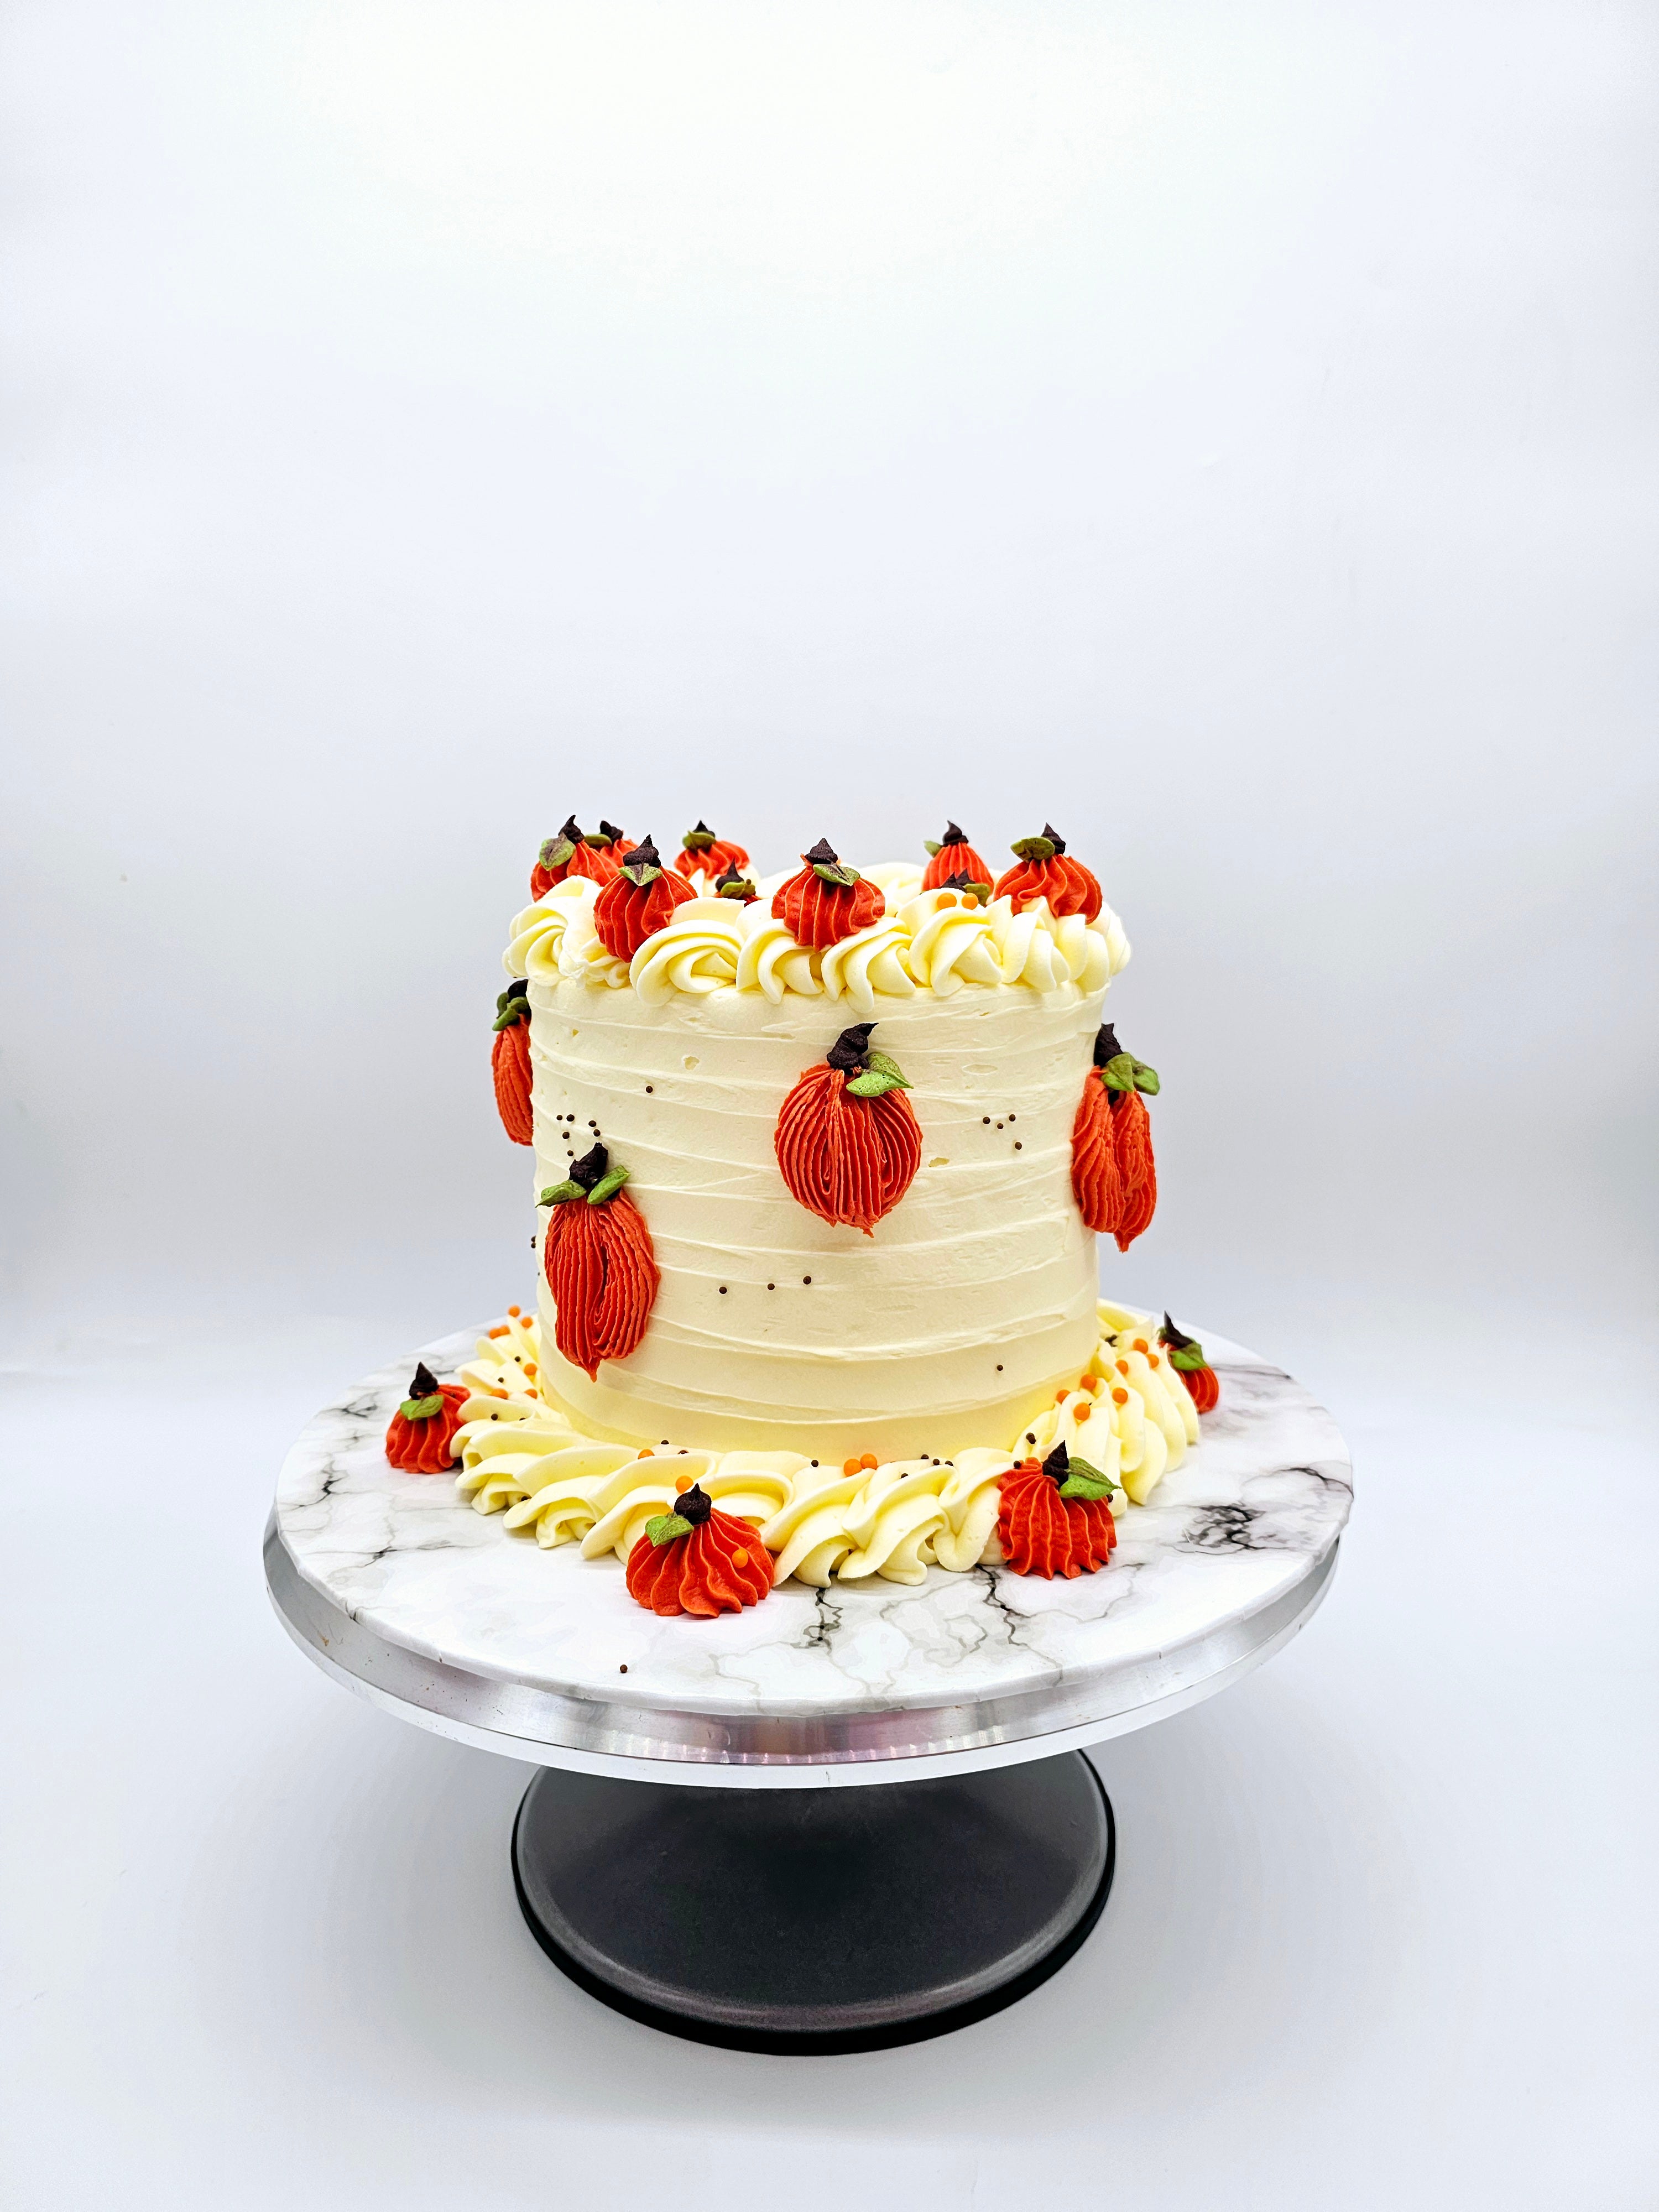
822,1159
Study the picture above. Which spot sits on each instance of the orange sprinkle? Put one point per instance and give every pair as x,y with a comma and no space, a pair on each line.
530,1367
681,1482
869,1460
502,1331
516,1312
1152,1360
740,1557
1061,1396
1083,1412
947,898
1141,1344
851,1466
1122,1366
1120,1397
648,1451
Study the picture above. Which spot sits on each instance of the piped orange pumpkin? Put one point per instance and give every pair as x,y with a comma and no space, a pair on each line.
1053,1517
848,1143
597,854
1045,870
698,1560
1186,1358
422,1438
826,901
1114,1175
600,1267
955,865
639,899
509,1059
704,853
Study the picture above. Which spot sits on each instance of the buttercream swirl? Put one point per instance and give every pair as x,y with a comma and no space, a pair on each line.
697,952
773,960
522,1458
1043,951
870,960
925,941
952,942
537,933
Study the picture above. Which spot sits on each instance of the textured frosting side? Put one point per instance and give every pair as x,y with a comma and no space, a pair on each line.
953,1323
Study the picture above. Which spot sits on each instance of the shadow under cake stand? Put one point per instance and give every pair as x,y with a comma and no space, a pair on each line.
696,1849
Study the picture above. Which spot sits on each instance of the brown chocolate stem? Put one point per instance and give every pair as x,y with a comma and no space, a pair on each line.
592,1168
851,1049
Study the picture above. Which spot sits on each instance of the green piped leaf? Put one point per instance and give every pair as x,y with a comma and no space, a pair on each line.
607,1185
883,1063
1085,1481
931,846
556,1194
511,1007
423,1409
556,852
1033,848
876,1082
839,878
1189,1358
663,1528
1123,1072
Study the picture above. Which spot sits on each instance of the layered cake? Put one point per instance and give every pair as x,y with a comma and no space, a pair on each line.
822,1161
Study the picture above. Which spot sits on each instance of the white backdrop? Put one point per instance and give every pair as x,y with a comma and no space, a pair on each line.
1227,431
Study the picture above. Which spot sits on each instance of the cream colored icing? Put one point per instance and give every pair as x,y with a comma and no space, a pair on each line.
872,961
926,942
522,1459
697,952
973,1299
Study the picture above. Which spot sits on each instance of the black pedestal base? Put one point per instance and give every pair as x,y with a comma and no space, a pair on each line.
815,1920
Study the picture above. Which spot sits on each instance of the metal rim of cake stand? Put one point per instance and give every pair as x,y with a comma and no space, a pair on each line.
749,1751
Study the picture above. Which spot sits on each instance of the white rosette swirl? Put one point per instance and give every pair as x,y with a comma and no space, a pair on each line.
952,942
869,962
698,952
773,960
537,933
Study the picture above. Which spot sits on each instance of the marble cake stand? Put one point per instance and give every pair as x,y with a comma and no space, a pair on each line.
692,1852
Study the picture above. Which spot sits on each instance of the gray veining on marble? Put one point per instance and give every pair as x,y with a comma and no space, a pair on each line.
1264,1496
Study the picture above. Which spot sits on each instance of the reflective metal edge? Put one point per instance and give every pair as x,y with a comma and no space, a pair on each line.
613,1736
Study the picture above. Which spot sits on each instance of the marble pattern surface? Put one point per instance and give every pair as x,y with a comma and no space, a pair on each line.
1262,1497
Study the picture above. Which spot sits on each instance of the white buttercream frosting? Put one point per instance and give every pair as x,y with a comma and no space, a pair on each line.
869,963
971,1301
697,952
522,1459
